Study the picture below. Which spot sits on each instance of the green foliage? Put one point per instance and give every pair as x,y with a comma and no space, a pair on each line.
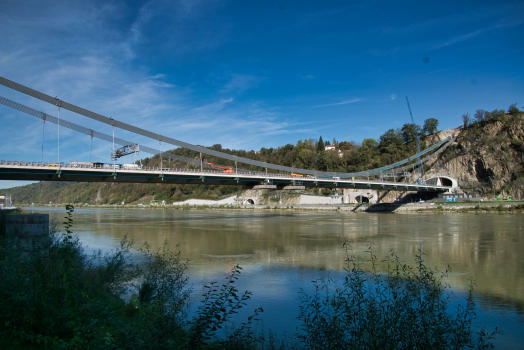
466,120
320,145
369,143
219,304
400,308
430,126
390,142
479,115
513,109
410,132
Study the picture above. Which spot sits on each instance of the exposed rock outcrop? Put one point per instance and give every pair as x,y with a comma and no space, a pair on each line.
487,157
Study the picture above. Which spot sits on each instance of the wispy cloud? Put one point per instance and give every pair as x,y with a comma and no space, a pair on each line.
339,103
241,83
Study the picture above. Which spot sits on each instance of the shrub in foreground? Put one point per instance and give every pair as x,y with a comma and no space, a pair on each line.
400,308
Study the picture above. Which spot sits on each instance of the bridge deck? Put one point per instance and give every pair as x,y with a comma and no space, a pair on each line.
46,172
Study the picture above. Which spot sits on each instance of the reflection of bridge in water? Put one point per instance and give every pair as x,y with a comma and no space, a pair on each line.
205,173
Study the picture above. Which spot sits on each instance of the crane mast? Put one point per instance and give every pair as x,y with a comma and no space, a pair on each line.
418,144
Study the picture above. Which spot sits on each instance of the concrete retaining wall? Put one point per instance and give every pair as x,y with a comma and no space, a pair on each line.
226,201
305,199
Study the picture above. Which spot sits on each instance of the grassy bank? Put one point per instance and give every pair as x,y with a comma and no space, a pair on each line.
58,297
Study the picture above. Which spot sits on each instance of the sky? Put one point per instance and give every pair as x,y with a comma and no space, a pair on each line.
252,74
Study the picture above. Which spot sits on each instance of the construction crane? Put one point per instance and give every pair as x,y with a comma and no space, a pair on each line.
418,144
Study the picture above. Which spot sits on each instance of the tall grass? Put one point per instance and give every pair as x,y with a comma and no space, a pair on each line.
60,298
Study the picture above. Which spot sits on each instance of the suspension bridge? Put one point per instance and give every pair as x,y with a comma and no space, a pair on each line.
271,176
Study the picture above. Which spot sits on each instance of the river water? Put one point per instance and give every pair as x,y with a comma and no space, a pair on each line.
283,251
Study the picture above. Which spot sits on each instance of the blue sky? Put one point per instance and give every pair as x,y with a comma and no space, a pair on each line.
252,74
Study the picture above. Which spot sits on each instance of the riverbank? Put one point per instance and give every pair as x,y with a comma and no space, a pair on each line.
492,206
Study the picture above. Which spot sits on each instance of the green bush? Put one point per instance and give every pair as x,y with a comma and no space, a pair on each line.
400,308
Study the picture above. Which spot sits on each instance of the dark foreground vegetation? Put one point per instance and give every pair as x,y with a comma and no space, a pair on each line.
56,297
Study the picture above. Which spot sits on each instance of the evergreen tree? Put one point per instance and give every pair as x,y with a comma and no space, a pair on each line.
320,145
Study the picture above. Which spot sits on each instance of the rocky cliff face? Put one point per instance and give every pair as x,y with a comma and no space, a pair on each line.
487,156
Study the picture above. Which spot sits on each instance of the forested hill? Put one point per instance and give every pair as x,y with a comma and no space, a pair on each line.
483,129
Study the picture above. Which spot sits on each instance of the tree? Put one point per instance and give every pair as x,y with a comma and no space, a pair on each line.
369,143
345,145
480,115
513,109
498,115
430,126
390,142
324,162
320,145
410,132
466,120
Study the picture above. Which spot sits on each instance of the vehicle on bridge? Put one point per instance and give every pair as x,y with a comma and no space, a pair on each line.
305,176
225,169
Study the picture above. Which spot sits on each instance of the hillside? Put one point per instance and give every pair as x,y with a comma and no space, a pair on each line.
487,157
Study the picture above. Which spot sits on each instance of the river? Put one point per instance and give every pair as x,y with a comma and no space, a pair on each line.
281,251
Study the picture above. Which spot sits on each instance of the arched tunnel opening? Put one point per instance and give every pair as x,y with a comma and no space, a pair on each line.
250,201
446,182
362,199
